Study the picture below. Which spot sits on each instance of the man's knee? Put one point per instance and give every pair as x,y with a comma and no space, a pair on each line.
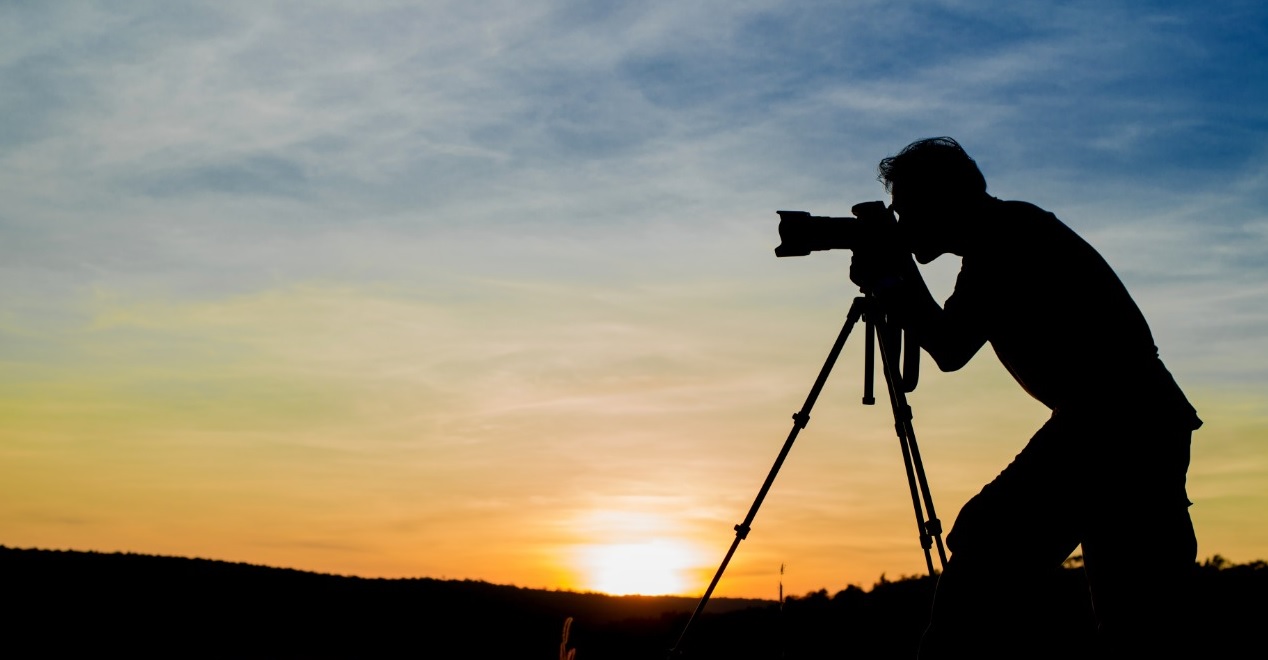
992,535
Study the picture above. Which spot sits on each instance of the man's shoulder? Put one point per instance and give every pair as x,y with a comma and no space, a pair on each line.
1024,223
1017,209
1021,237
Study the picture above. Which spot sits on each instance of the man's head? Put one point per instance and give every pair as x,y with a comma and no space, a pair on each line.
933,184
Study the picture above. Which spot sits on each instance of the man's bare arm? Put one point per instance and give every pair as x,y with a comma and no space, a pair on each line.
949,342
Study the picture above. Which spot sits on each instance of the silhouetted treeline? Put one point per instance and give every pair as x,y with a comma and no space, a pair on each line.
61,603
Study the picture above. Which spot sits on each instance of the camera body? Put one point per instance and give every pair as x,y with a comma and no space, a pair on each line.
801,233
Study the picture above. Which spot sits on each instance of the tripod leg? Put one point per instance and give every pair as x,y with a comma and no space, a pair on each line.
800,419
930,528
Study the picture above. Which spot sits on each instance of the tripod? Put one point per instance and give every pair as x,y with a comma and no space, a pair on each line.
888,337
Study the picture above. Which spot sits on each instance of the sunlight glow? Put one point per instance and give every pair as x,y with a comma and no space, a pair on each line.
647,568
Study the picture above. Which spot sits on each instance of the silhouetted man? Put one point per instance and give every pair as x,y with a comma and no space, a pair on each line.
1108,468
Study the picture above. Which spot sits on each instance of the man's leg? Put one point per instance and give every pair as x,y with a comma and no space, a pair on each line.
1140,551
1007,540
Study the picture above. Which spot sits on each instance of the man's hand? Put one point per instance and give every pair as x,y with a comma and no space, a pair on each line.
883,264
873,274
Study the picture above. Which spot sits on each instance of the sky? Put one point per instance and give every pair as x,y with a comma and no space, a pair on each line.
486,290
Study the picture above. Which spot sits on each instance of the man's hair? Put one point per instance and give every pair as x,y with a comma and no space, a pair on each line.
937,164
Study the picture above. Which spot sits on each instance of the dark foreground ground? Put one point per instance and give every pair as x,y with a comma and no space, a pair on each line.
64,604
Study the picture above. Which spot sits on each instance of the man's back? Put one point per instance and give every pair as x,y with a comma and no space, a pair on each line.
1058,316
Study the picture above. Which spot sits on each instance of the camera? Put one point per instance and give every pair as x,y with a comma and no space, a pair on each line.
801,233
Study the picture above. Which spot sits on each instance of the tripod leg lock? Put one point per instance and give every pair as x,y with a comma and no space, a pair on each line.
904,414
802,418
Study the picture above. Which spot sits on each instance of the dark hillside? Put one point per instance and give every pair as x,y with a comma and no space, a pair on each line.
61,603
68,603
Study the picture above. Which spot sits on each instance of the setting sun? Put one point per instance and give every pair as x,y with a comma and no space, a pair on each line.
648,568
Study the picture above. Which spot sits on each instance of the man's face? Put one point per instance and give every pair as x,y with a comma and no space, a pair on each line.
926,222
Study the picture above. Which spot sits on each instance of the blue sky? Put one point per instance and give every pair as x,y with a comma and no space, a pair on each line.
418,251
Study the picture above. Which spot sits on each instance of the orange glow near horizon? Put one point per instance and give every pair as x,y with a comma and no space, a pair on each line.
229,429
